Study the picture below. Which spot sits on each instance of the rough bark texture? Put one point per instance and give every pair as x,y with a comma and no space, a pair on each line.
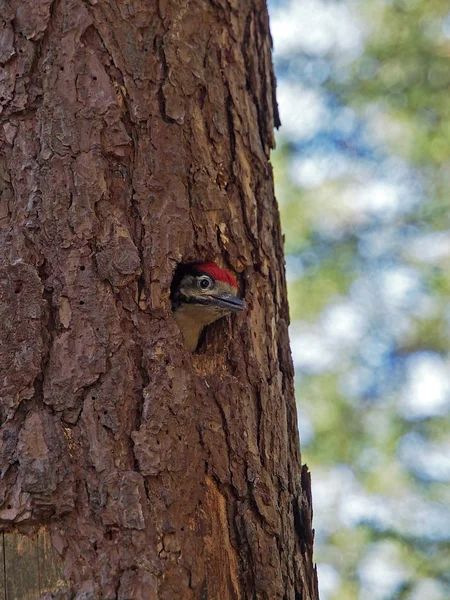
135,135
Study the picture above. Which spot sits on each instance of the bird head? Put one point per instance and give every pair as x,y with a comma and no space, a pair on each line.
201,294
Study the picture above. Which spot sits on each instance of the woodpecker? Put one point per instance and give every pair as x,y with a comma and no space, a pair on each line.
201,294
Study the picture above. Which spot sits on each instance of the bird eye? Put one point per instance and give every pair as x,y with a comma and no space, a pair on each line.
205,283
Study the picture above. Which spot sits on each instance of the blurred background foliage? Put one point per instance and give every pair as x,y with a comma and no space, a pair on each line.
362,172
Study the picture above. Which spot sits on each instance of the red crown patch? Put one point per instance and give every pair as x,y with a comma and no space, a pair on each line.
217,273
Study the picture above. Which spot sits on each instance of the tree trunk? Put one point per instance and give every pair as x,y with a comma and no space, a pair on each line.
135,135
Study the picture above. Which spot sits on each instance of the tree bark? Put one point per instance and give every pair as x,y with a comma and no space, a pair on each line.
135,135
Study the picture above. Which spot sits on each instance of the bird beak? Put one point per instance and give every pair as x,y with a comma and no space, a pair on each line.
229,302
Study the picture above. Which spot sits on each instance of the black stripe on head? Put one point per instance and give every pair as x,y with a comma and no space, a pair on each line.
182,299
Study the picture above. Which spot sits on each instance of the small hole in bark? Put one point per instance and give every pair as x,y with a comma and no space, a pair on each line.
2,98
105,412
18,288
9,507
167,432
182,529
94,397
157,442
82,268
179,437
81,302
61,68
94,78
200,502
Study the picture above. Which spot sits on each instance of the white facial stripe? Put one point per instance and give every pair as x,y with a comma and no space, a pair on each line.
189,288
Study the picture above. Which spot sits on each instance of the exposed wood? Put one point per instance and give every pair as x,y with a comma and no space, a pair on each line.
135,135
50,565
30,566
2,568
21,565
